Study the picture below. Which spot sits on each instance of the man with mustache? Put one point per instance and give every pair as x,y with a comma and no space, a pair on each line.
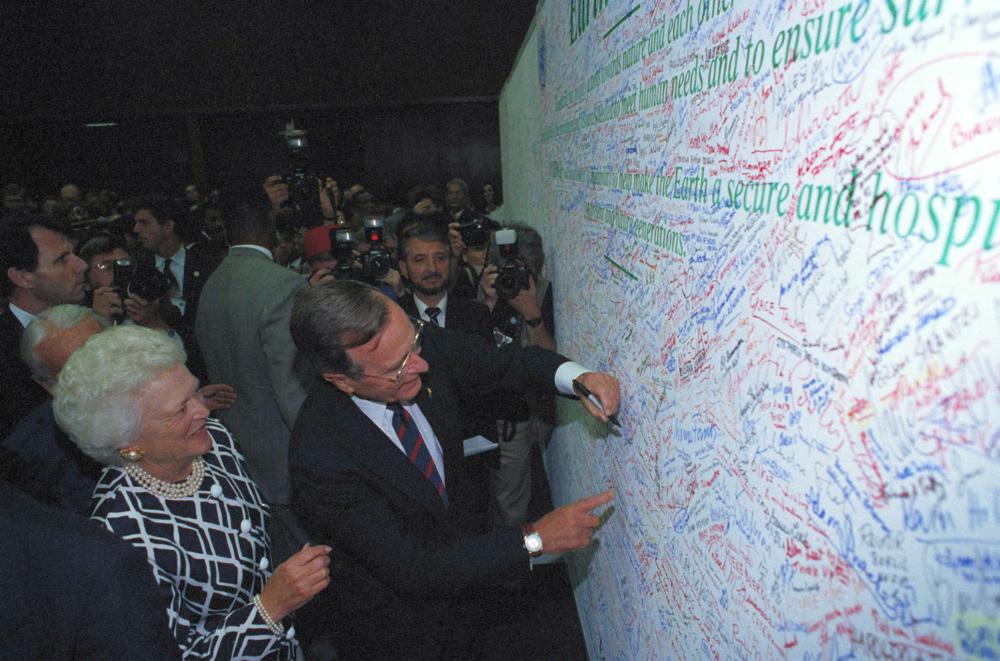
425,260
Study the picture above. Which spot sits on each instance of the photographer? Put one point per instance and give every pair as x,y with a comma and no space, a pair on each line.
527,315
106,297
520,299
333,253
471,240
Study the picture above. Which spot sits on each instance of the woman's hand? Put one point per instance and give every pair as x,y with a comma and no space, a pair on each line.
296,581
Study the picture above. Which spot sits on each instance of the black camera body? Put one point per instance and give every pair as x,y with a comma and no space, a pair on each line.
513,275
302,188
148,282
377,261
342,249
476,232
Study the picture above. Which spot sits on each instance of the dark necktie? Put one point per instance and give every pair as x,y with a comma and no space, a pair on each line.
169,272
433,313
415,448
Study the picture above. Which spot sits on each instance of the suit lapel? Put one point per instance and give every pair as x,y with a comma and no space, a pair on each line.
371,449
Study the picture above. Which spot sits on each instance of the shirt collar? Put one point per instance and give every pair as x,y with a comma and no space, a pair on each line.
262,249
422,307
23,316
177,258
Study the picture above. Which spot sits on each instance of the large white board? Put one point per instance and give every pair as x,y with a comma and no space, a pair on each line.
776,222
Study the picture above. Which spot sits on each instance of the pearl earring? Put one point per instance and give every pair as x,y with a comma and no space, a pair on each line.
132,454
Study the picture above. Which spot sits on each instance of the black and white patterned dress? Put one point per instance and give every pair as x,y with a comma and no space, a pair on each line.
212,551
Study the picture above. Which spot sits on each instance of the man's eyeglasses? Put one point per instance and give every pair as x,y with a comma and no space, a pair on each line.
418,326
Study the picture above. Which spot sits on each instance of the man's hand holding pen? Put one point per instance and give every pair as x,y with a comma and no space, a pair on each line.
602,387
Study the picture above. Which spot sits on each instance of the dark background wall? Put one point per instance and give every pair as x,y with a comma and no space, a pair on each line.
392,92
388,148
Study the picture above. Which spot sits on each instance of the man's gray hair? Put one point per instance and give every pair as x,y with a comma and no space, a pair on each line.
332,317
529,246
461,184
423,231
98,397
59,317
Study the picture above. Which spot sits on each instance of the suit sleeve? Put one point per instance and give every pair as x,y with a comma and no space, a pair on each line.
124,590
473,363
346,511
287,368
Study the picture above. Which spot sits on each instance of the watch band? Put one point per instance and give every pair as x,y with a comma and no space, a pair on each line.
534,323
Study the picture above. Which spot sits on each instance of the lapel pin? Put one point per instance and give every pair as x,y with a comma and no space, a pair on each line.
428,392
196,274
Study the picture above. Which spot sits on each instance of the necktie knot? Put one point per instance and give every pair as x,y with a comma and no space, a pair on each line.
432,314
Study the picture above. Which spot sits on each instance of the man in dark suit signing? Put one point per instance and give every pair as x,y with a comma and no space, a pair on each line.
371,461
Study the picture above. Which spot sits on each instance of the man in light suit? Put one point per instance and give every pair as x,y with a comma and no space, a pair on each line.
373,459
242,329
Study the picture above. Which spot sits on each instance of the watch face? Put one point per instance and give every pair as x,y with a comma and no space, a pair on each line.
533,542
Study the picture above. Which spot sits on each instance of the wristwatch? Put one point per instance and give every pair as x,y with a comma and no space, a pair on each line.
532,540
534,323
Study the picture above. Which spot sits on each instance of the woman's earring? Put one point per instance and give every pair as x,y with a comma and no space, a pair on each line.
132,454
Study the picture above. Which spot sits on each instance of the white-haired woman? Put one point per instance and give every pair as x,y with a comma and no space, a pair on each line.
177,487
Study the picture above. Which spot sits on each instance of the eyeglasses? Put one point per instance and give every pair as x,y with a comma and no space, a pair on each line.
418,325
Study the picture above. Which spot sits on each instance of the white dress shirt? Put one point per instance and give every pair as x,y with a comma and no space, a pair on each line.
378,413
422,309
23,316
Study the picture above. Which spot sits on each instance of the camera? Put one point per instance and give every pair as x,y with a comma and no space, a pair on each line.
303,199
342,249
129,278
476,232
377,261
513,275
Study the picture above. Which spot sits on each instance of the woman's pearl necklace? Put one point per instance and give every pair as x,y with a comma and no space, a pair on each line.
158,487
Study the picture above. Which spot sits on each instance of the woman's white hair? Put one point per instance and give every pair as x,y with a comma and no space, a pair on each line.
97,399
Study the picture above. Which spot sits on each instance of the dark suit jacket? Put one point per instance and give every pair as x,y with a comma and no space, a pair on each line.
404,566
19,393
201,259
464,315
69,590
47,465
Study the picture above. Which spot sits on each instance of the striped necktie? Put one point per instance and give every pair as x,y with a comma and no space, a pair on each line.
432,314
415,448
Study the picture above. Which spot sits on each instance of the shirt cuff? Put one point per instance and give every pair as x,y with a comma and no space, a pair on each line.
565,375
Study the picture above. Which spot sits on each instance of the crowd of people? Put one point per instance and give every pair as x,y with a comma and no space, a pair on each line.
262,400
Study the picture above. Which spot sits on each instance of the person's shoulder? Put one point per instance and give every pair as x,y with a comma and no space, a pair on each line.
10,328
33,522
206,249
407,303
113,495
224,445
